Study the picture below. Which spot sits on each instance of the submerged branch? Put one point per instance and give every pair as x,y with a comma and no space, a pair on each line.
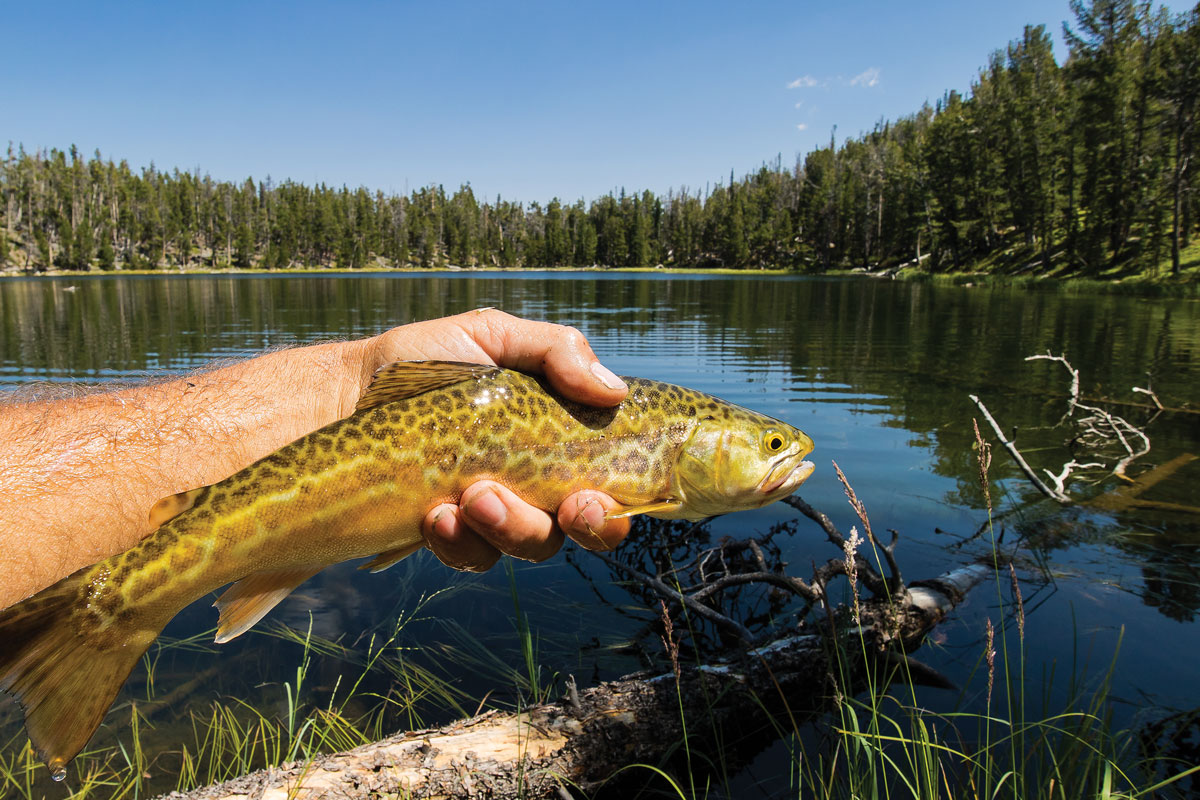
692,604
739,704
1017,457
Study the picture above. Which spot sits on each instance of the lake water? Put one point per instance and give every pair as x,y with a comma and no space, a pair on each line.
877,373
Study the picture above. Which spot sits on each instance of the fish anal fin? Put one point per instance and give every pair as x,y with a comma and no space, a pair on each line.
403,379
389,558
173,505
64,675
247,601
655,507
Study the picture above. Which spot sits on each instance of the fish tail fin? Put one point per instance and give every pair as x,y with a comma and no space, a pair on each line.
65,668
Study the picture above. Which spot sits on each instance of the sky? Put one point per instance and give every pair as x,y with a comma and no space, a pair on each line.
524,100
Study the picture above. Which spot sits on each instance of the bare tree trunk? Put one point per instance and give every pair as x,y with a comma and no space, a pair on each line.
735,707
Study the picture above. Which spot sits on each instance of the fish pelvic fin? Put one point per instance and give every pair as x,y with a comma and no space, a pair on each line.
247,601
64,668
654,507
390,558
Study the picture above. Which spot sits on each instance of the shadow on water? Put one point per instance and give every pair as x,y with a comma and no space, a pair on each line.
876,372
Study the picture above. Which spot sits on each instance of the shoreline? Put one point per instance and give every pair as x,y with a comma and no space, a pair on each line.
1164,285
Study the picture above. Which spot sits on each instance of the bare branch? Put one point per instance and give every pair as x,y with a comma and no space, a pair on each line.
1016,454
1074,376
715,617
1061,478
831,532
1149,391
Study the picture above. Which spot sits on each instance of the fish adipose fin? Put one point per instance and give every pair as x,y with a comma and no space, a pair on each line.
65,667
391,557
403,379
247,601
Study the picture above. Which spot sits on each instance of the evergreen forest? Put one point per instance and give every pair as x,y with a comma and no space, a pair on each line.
1078,168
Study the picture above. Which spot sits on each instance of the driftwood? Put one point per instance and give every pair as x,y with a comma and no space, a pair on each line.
735,704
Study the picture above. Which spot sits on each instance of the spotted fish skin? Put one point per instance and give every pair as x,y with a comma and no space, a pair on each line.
358,487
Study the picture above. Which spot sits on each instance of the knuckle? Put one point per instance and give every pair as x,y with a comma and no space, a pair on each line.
572,336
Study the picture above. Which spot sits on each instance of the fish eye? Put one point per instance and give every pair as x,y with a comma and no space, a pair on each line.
773,441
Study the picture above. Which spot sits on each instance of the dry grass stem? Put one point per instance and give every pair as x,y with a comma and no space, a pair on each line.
850,548
1016,590
983,455
991,659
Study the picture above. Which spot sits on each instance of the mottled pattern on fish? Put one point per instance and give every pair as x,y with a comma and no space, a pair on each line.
360,487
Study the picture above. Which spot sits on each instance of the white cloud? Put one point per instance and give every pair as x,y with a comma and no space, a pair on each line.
869,77
802,127
803,82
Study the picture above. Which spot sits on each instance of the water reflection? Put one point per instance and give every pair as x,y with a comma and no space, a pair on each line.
876,372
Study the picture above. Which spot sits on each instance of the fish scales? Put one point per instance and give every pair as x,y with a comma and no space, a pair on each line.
360,487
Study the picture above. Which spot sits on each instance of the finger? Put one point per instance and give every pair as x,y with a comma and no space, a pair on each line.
508,523
454,543
582,517
559,352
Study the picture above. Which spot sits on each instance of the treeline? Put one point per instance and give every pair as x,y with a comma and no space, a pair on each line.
1046,167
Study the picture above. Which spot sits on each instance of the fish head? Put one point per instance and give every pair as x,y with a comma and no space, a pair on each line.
738,461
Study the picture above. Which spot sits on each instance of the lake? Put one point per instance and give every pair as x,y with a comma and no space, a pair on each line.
878,373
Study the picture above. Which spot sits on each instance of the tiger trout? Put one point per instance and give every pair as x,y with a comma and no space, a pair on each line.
421,434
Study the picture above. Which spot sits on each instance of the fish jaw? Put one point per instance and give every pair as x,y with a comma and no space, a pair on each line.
783,479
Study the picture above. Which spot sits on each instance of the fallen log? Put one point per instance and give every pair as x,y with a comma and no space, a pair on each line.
590,738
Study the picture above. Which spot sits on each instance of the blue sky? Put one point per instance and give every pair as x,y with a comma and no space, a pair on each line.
527,100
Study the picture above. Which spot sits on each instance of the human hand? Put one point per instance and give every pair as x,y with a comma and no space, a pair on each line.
489,518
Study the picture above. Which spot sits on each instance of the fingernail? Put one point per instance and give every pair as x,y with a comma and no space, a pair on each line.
487,509
606,376
442,516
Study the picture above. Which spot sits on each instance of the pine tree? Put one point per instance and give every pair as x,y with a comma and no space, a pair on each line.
44,261
244,247
81,249
106,255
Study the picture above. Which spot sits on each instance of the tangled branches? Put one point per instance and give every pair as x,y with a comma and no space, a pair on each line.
735,591
1098,431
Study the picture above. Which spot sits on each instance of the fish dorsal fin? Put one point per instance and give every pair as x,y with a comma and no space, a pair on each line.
402,379
247,601
390,557
173,505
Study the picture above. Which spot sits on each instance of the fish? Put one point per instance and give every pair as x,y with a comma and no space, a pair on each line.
360,487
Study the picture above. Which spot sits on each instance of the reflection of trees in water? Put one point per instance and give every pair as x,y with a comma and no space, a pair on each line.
1167,555
1170,568
1172,746
909,351
1173,582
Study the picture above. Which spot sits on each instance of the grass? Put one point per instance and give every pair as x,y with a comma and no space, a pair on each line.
882,743
886,744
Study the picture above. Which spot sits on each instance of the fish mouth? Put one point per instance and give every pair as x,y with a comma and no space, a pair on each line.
781,476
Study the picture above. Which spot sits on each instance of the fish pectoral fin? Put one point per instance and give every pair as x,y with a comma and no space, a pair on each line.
389,557
247,601
657,506
173,505
403,379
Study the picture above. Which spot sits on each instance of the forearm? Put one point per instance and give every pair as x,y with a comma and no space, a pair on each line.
80,476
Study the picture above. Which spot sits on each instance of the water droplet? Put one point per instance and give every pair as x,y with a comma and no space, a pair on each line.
59,773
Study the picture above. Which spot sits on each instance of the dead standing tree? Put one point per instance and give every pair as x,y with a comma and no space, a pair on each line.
734,704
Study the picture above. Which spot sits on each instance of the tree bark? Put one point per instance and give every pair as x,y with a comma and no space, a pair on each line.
733,708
